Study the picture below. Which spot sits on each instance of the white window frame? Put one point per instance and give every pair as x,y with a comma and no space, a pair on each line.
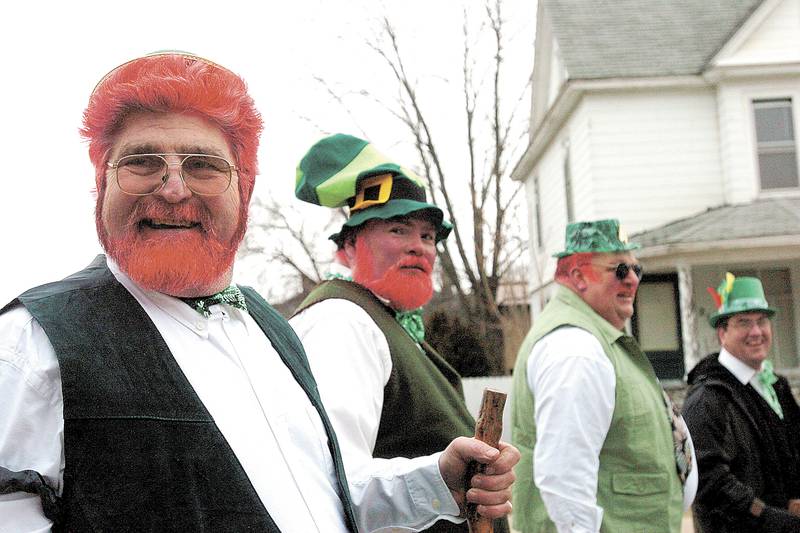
794,99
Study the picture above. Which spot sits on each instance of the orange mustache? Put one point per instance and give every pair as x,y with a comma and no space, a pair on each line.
180,214
421,263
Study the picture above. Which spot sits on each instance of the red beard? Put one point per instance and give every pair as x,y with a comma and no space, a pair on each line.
405,288
189,264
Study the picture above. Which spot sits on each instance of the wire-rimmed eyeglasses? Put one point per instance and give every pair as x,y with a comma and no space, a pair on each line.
143,174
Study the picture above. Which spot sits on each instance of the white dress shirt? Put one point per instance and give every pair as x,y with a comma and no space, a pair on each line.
744,373
351,362
271,426
573,385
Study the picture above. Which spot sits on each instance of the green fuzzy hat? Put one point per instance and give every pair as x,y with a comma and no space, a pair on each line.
738,295
596,236
344,170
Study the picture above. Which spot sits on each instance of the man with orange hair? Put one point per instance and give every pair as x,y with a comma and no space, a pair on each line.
149,393
602,447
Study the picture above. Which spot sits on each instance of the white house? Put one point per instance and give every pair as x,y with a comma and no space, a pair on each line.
680,119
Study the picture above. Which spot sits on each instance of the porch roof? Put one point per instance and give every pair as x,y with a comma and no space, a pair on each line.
767,217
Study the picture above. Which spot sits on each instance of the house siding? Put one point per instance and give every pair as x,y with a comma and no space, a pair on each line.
654,155
645,164
775,40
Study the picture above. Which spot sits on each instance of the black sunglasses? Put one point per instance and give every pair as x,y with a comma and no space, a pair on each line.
622,269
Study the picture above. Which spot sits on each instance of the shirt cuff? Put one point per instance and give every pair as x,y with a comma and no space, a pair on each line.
430,493
402,495
571,516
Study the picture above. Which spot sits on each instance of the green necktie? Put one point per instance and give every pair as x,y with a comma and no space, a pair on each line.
230,295
412,323
767,378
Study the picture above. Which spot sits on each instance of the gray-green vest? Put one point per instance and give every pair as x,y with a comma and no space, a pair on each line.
638,486
423,401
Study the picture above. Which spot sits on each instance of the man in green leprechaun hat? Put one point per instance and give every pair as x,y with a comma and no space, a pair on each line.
745,421
388,391
602,447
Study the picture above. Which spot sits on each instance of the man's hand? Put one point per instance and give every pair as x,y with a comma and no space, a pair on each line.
491,491
794,507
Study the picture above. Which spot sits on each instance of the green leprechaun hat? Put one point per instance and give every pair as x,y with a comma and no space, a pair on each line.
344,170
596,236
738,295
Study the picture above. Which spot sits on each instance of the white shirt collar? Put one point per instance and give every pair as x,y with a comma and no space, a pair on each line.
338,270
172,306
743,372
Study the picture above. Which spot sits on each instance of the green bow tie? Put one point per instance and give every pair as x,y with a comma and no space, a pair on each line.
412,323
230,295
767,378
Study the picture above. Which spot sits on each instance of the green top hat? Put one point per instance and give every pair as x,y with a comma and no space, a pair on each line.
343,170
596,236
738,295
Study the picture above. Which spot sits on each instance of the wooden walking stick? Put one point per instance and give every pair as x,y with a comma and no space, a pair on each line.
488,429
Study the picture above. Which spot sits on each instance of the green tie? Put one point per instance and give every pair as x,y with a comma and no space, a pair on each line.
412,323
767,378
231,296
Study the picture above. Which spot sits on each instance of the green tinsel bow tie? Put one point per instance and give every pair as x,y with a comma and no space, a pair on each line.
768,378
231,296
412,323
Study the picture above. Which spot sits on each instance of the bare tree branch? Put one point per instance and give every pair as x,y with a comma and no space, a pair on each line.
484,253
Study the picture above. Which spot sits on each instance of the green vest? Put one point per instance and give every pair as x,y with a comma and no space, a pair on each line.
423,401
638,486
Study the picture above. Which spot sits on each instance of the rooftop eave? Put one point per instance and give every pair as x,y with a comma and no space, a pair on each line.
720,73
568,98
790,243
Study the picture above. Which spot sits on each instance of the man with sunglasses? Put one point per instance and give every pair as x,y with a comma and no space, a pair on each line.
745,420
602,447
149,393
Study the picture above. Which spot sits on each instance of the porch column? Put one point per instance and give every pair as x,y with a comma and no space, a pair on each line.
691,348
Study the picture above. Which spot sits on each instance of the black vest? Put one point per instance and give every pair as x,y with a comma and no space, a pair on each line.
141,451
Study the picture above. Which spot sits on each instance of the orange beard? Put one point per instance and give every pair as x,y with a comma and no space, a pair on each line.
187,264
405,288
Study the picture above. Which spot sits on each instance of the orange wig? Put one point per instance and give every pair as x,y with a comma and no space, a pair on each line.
174,82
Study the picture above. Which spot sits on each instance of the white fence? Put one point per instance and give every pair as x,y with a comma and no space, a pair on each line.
473,392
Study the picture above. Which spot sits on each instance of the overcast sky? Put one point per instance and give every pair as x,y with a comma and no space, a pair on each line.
55,52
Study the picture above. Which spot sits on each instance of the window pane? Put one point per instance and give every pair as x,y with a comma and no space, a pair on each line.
774,121
658,325
778,170
777,152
